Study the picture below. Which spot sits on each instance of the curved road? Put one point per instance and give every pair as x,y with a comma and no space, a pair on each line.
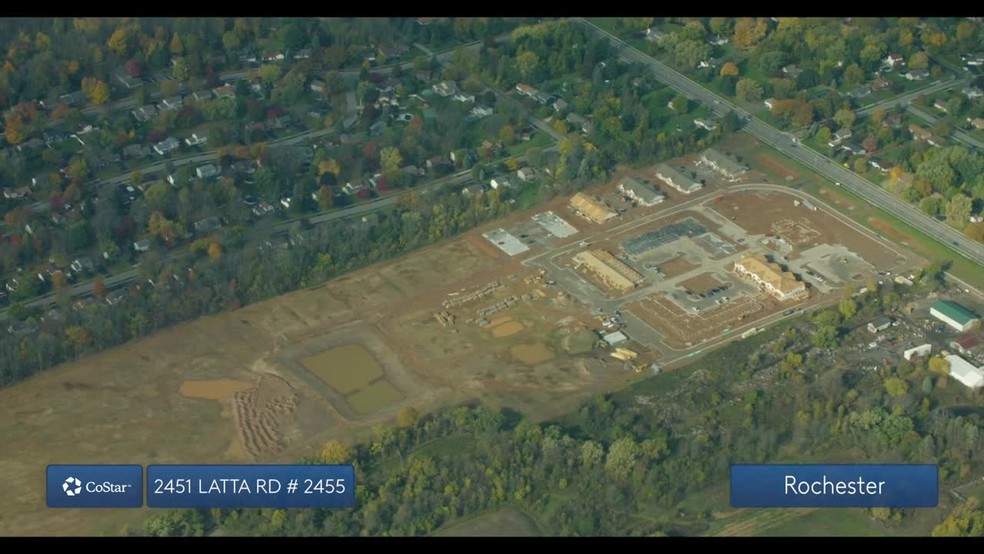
779,140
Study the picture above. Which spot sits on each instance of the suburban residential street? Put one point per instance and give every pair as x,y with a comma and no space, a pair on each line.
823,165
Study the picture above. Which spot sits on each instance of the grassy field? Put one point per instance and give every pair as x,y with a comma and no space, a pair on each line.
345,369
507,522
376,396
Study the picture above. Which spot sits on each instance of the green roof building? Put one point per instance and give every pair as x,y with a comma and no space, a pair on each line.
953,314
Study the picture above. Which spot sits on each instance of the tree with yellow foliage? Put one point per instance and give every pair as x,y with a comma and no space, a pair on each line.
729,69
214,251
335,452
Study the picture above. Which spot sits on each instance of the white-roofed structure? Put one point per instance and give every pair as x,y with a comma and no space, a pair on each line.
921,350
965,372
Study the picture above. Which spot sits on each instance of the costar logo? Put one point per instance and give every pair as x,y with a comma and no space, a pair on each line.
72,486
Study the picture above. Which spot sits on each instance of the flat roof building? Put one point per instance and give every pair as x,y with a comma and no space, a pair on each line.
965,372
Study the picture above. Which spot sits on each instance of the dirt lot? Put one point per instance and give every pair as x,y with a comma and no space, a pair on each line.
230,389
759,213
700,283
676,266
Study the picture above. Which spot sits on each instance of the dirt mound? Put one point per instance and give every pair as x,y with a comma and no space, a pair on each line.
260,411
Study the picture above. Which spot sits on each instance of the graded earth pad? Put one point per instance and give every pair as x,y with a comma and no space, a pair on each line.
506,329
376,396
532,354
346,368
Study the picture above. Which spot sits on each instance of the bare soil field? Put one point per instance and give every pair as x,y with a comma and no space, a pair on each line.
759,213
700,283
230,388
676,266
345,368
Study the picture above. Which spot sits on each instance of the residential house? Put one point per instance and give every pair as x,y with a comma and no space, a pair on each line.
392,51
16,193
129,82
274,56
727,166
974,59
135,151
207,225
770,103
677,179
919,133
302,54
72,99
200,96
655,35
377,128
526,174
940,105
500,182
464,98
207,171
141,245
770,276
526,90
195,140
579,122
172,103
167,146
936,141
792,71
972,92
854,149
881,165
225,91
879,324
917,74
560,105
144,114
894,60
472,190
355,187
977,122
643,193
859,92
262,209
880,83
481,111
709,62
445,88
893,120
717,40
542,98
840,136
705,124
318,86
83,264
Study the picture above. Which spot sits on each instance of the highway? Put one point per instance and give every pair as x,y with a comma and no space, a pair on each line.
782,142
